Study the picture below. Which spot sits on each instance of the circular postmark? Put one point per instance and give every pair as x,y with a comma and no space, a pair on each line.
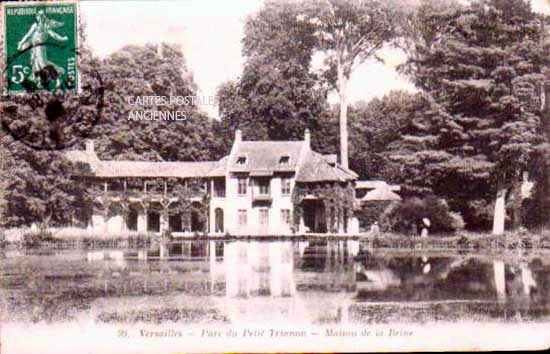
53,120
53,95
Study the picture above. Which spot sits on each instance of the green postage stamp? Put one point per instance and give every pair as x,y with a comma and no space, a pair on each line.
40,46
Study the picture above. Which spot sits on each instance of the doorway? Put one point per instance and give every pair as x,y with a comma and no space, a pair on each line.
218,225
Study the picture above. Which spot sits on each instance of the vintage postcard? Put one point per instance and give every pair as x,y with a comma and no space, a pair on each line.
274,176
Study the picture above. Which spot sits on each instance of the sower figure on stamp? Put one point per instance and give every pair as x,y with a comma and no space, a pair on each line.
38,34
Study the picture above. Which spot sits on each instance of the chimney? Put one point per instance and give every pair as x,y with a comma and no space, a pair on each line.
90,145
307,138
238,135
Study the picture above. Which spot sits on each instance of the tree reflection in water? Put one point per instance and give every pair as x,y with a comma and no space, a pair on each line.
308,282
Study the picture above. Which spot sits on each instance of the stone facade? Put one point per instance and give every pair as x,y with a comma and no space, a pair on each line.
248,192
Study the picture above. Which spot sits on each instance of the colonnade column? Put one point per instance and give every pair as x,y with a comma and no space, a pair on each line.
142,220
163,225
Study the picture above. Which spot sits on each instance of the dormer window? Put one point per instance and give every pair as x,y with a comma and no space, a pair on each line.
284,160
241,160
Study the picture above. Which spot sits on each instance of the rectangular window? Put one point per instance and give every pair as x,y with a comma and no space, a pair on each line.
219,188
285,186
241,190
242,217
263,186
264,217
115,186
285,216
241,160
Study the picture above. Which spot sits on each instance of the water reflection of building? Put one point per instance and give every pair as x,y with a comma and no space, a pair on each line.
259,269
328,265
295,280
329,281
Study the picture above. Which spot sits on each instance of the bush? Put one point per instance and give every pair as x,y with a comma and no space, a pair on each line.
531,213
406,216
526,242
3,241
463,242
33,239
457,223
371,212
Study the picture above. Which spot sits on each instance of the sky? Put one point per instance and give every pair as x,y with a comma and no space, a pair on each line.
210,33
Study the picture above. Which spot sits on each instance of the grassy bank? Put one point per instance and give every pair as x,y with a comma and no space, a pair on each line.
70,238
79,238
463,241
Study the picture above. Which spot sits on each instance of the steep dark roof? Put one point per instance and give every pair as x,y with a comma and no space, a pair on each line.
219,170
265,156
316,168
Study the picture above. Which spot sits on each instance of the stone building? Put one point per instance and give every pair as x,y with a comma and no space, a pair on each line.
260,188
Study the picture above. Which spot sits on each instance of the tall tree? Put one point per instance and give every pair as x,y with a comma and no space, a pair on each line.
135,72
537,210
36,180
349,32
479,76
277,97
374,127
38,187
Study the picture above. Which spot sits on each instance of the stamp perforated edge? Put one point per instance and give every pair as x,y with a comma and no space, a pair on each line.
3,48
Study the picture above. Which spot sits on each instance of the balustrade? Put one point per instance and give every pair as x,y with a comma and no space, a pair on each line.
261,193
147,189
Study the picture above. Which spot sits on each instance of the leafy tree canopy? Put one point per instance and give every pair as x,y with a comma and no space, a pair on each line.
277,97
138,71
476,129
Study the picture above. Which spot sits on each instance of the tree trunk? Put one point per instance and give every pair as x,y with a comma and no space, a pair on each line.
518,199
545,113
500,212
342,92
46,221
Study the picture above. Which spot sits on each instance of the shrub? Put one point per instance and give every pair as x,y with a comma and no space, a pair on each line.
526,242
371,212
457,223
463,242
33,239
530,213
406,216
3,241
478,214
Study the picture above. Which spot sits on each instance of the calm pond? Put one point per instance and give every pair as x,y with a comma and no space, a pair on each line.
308,282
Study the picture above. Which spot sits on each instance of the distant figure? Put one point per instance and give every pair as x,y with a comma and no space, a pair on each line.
414,230
425,225
375,229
